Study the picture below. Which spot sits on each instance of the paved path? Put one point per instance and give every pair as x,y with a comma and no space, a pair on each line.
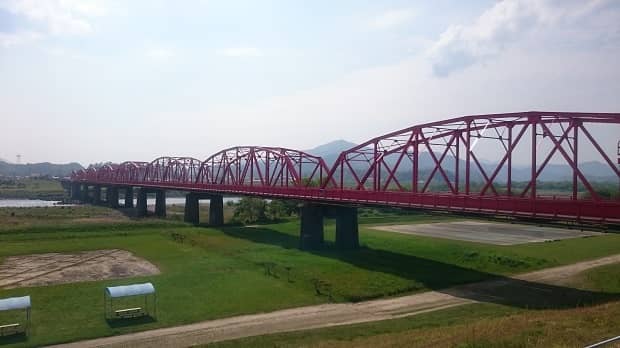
326,315
497,233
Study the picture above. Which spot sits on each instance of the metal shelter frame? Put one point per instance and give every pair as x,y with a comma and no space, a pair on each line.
145,290
16,304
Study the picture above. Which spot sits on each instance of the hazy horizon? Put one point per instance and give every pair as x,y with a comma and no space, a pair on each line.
96,81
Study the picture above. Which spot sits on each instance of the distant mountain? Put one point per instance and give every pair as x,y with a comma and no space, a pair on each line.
46,168
331,150
594,171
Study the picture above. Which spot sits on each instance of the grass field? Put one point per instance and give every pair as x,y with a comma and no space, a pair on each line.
233,270
474,325
31,188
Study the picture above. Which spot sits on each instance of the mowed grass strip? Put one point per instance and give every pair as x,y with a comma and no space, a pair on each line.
475,325
212,273
469,326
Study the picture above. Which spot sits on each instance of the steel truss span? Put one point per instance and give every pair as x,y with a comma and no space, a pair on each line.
440,166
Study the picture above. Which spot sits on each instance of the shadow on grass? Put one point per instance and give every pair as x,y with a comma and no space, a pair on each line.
442,277
125,322
12,339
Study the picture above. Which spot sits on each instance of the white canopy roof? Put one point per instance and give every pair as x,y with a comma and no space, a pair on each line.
130,290
11,303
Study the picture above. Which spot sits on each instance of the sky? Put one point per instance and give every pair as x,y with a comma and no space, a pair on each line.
93,81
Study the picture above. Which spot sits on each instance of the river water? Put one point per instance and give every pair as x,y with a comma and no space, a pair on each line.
26,203
29,203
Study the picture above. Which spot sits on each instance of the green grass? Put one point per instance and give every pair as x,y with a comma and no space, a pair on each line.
475,325
603,277
351,334
221,272
31,188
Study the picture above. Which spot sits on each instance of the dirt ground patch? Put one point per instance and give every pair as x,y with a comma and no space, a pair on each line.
534,285
488,232
57,268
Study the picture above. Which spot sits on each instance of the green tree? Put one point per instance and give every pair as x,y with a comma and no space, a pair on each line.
277,209
250,210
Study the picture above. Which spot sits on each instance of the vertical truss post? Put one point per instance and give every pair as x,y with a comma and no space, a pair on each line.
375,155
416,159
267,181
468,157
251,159
575,160
456,163
378,170
534,165
509,169
341,175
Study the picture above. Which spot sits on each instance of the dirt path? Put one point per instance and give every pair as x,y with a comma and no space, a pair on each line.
303,318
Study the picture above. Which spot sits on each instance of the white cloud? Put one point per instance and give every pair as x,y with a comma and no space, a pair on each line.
375,101
51,17
11,39
240,52
460,46
392,18
159,54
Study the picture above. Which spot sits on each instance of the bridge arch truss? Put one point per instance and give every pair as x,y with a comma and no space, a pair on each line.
437,165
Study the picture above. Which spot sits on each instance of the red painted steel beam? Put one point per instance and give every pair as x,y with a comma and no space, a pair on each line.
280,172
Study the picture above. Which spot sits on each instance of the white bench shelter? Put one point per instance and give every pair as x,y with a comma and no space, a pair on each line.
15,304
115,293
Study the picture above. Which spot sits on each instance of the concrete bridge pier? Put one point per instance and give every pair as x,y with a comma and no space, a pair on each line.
312,216
112,196
216,210
160,203
311,234
192,208
96,194
76,191
141,203
84,193
347,234
129,197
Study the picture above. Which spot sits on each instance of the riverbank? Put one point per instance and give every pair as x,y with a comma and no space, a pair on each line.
31,188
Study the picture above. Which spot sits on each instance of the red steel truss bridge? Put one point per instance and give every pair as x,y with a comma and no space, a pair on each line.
441,166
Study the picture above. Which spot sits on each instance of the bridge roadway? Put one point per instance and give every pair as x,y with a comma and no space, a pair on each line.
434,166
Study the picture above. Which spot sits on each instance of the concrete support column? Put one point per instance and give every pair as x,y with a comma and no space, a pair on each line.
129,197
85,196
141,203
347,234
311,234
216,210
97,194
192,209
76,191
112,196
160,203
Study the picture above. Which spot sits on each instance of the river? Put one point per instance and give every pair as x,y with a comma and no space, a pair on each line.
29,203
